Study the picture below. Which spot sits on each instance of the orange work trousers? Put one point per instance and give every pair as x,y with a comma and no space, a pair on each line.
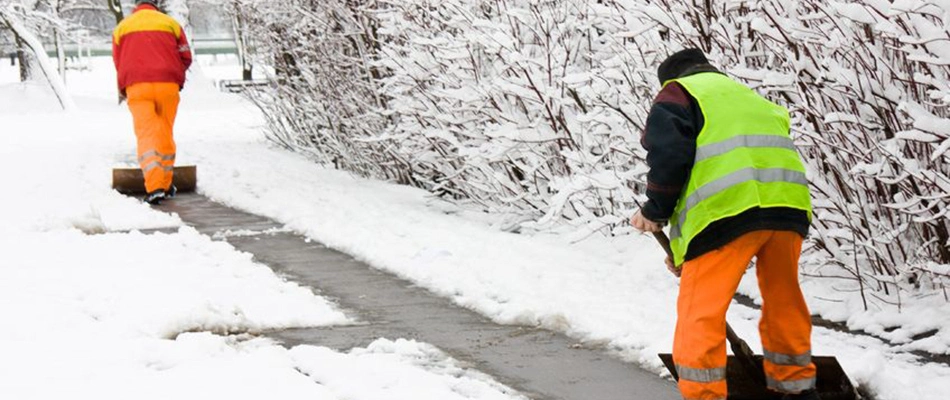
153,106
707,286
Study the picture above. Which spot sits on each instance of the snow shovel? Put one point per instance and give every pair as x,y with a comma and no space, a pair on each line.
745,376
129,181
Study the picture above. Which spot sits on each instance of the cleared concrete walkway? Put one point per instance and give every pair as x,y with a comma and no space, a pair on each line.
543,365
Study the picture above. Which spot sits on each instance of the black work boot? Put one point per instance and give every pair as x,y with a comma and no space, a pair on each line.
172,190
154,197
806,395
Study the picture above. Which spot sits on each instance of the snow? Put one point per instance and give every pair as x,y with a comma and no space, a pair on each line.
855,12
35,45
170,315
103,297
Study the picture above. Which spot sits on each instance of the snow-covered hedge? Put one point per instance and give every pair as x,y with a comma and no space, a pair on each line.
326,102
527,107
535,107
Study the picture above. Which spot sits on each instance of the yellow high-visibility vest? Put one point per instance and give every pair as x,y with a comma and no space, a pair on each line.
745,158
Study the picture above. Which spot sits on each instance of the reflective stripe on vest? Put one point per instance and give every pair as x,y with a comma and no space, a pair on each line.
744,159
731,180
725,146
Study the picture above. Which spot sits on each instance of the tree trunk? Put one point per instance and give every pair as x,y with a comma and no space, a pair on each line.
943,242
116,7
27,41
24,60
247,72
58,42
60,54
237,21
179,10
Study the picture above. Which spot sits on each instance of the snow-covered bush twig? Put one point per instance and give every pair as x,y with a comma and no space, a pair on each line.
535,107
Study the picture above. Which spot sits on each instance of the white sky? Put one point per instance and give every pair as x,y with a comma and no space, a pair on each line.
100,315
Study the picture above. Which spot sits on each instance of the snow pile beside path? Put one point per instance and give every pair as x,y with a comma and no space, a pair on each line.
85,316
207,366
921,324
612,291
58,169
136,286
26,97
401,369
907,321
93,314
91,311
508,277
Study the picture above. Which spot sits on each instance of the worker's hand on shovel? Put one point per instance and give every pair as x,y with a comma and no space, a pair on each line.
672,268
643,224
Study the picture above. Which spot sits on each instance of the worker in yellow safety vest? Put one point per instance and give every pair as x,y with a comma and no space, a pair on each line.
726,177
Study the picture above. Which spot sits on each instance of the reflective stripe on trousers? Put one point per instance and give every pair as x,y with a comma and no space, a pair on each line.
789,373
701,375
153,153
801,360
155,164
706,289
790,386
154,107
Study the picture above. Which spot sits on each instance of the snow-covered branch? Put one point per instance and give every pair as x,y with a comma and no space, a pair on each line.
9,15
535,107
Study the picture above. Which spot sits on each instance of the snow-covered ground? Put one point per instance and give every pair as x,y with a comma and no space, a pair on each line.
106,310
92,308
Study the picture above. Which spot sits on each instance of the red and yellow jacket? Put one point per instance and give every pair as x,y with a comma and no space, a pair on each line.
149,46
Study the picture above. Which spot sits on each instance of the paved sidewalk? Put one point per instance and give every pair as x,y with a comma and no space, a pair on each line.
541,364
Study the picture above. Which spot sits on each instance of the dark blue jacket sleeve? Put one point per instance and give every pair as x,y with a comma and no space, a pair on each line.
670,140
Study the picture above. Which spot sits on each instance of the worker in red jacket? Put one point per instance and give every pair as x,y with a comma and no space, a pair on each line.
151,55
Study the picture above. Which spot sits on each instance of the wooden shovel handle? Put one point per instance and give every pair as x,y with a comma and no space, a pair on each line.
664,242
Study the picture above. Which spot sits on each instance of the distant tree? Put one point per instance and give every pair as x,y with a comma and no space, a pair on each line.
24,60
179,10
239,25
13,16
116,7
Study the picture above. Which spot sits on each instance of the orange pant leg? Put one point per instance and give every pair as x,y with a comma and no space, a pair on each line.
707,285
153,111
786,322
167,99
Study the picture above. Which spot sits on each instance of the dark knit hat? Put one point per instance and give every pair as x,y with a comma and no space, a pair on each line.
676,64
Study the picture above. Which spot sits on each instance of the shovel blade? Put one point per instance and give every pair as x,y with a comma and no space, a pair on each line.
131,181
832,382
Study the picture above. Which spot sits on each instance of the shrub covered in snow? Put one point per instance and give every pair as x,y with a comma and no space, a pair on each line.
535,107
